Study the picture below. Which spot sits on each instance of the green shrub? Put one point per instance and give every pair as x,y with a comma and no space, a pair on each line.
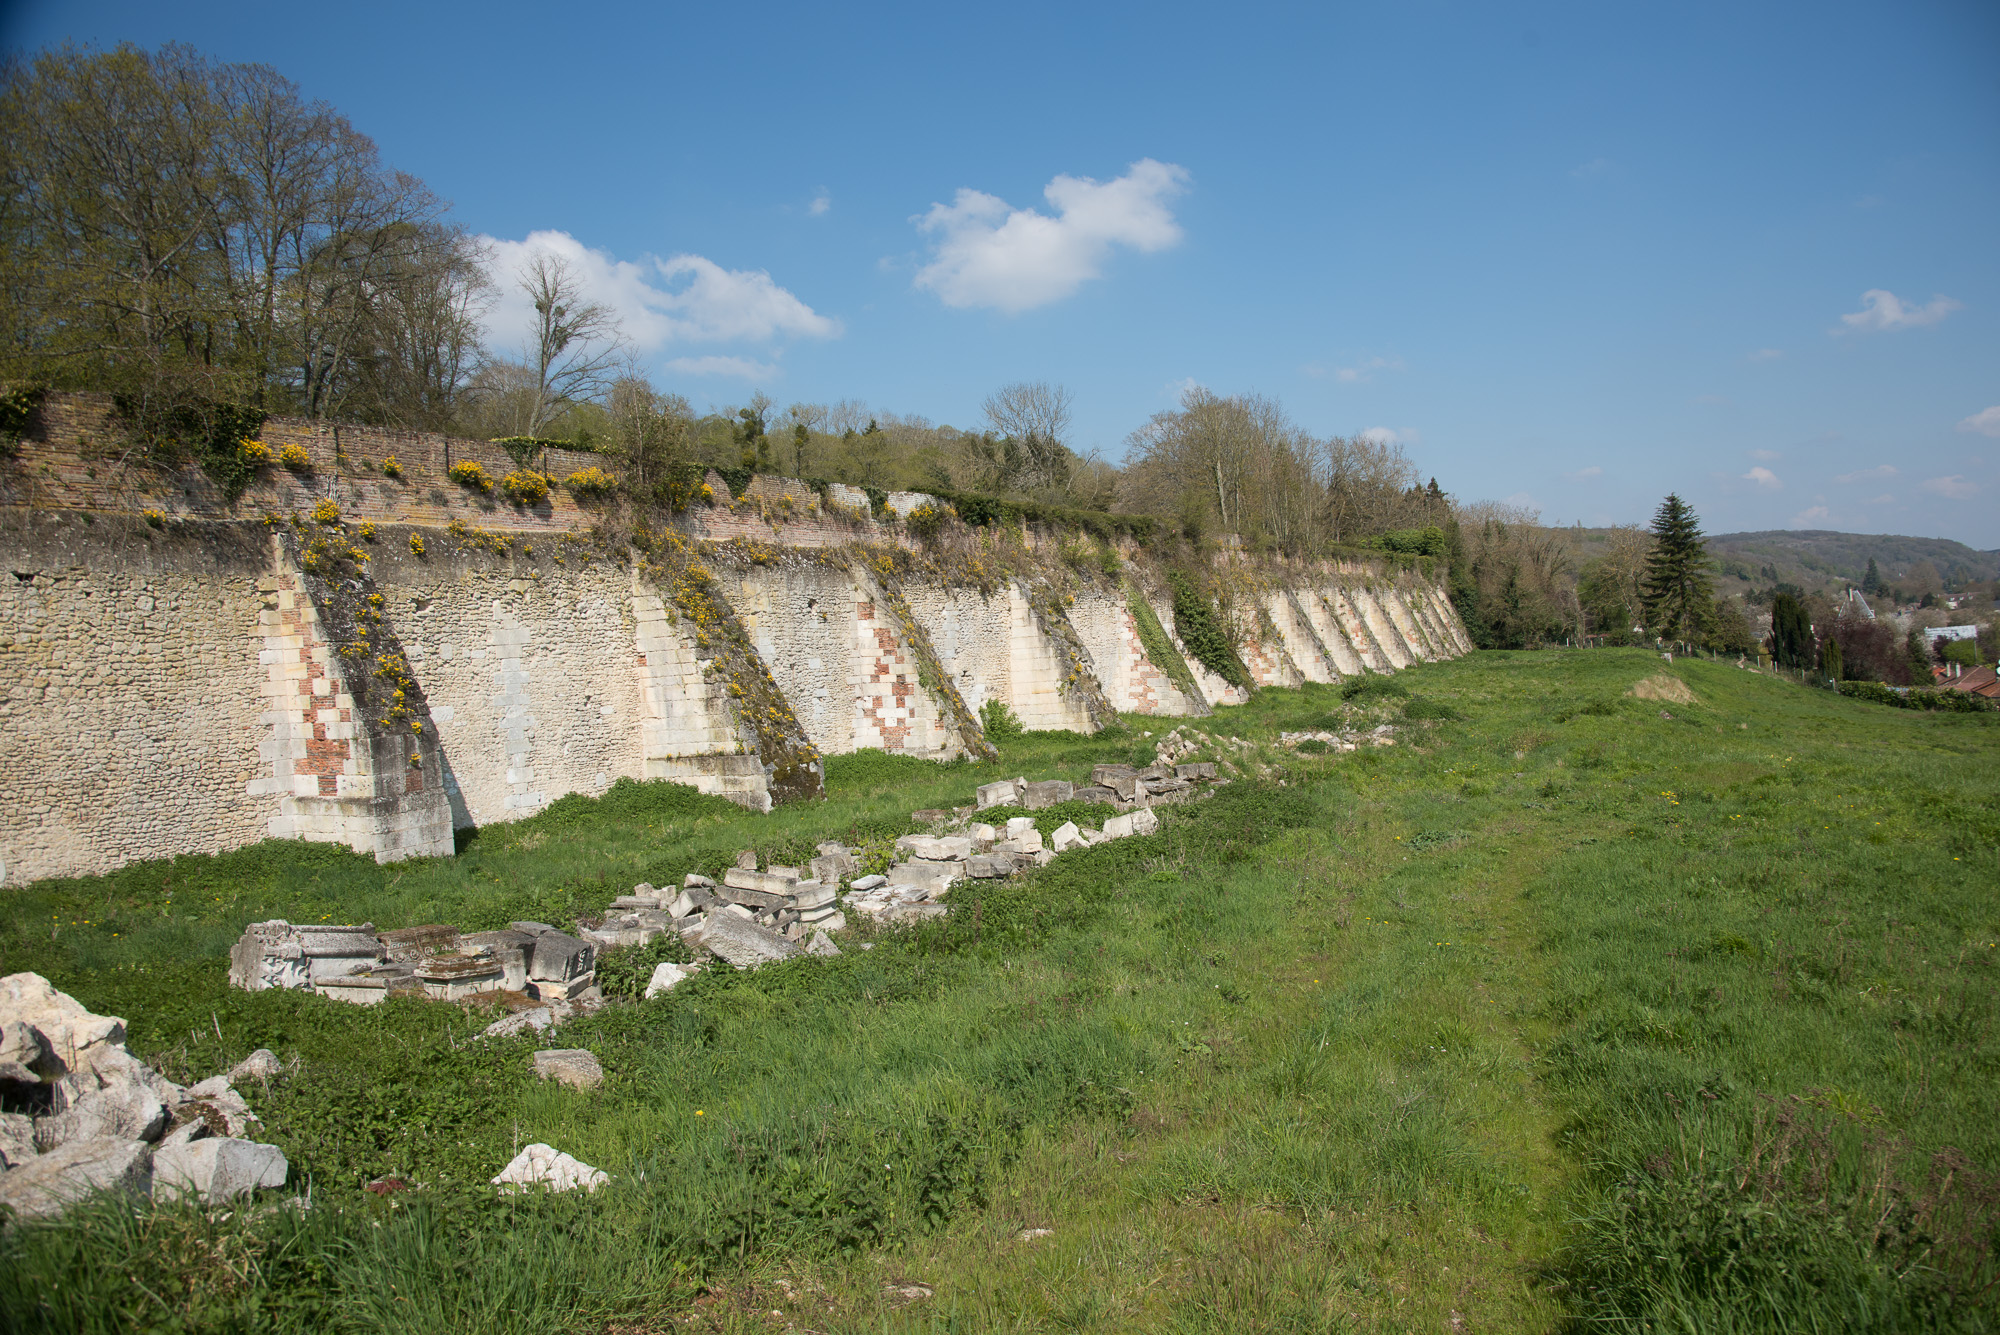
1373,686
999,720
1201,631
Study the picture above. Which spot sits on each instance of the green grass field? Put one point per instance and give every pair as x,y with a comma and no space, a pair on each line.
1559,1013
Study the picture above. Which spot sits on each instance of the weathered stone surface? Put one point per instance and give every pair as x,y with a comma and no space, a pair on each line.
747,860
930,816
1002,794
510,950
21,1046
987,866
545,1166
536,1019
693,879
454,977
832,868
531,928
867,882
217,1168
268,955
1105,775
1201,769
936,848
773,883
1066,837
563,989
216,1103
665,976
1019,827
47,1184
575,1067
1096,793
1046,793
17,1139
109,1102
741,943
1145,821
558,957
410,945
760,900
263,1064
821,944
812,895
331,952
917,871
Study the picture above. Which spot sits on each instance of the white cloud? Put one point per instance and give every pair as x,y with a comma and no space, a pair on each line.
1582,473
1763,477
1867,474
680,299
1766,456
1884,499
821,203
1179,389
1882,310
1383,435
1986,422
1953,488
985,253
1360,373
1765,355
740,367
1818,514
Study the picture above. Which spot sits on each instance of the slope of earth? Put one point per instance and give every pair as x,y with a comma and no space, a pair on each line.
1568,1005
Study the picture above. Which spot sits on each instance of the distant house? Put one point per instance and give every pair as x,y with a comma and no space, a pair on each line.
1936,633
1979,681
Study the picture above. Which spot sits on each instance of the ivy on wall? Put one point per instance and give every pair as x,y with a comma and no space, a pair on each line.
1201,631
1159,646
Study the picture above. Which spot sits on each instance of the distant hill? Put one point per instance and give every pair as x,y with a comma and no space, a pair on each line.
1815,556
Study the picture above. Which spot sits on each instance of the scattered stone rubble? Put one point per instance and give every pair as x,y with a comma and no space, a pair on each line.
1385,735
360,965
79,1114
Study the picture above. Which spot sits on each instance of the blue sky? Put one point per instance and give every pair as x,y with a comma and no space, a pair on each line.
1571,255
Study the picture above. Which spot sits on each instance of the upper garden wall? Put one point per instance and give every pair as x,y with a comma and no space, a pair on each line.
346,655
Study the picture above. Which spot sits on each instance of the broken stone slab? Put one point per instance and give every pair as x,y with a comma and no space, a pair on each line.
455,977
747,860
758,901
1002,794
267,956
693,879
1144,821
545,1166
821,944
812,895
216,1104
917,871
1105,774
216,1169
575,1067
102,1104
1201,769
561,989
510,950
1020,826
942,848
666,976
558,957
739,910
623,931
831,869
536,1019
739,942
411,945
763,882
531,928
989,866
333,951
1066,837
867,882
263,1064
46,1185
1096,793
369,986
1046,793
51,1033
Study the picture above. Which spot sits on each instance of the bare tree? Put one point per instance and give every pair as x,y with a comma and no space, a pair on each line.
578,342
1036,415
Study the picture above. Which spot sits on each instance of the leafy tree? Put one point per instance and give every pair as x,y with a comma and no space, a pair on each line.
1678,598
1791,632
1729,629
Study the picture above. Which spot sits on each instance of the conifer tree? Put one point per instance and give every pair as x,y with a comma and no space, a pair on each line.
1872,581
1791,632
1676,591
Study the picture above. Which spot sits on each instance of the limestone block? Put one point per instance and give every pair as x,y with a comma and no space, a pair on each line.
575,1067
544,989
216,1103
410,945
17,1139
538,1019
45,1185
1096,793
693,879
1002,794
1108,775
559,957
1066,837
1202,769
263,1064
1118,827
982,835
121,1109
1020,827
867,882
822,944
1144,821
509,949
545,1166
741,943
987,866
665,976
217,1168
268,955
455,977
766,882
812,895
917,871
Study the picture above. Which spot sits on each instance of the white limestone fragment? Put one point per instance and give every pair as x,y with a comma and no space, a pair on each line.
546,1166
